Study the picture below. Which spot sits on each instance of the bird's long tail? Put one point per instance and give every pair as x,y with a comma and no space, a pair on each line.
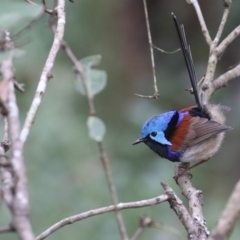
188,60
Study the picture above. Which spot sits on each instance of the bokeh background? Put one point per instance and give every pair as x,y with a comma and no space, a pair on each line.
64,171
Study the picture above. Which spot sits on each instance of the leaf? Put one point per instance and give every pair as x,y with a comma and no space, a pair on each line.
14,12
15,53
96,128
91,61
95,79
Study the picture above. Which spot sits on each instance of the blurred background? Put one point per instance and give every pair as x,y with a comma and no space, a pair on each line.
64,171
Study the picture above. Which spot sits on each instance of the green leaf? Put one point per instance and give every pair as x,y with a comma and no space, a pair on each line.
15,12
95,79
91,61
96,128
15,53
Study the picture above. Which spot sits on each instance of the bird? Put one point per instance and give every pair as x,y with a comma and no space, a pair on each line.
191,134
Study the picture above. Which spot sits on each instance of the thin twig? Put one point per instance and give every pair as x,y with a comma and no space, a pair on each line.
30,2
102,152
6,229
167,52
223,22
201,20
156,93
229,39
143,223
19,86
28,26
112,189
138,233
58,36
169,229
119,206
229,216
78,67
46,10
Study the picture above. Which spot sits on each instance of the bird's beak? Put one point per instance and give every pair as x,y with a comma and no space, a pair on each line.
138,141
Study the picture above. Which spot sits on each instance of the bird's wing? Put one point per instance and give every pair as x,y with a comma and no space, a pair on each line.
204,129
193,130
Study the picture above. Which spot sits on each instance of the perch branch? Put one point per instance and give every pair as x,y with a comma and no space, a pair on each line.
229,217
46,73
195,201
119,206
177,205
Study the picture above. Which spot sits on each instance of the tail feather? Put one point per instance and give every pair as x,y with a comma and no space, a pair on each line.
188,60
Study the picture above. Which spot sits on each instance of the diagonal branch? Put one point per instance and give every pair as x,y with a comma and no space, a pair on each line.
103,155
91,213
229,216
201,20
229,39
195,201
227,5
223,80
177,205
46,73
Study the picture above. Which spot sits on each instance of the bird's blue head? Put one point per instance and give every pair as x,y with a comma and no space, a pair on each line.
154,129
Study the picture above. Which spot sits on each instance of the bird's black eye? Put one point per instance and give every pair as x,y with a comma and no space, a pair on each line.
153,134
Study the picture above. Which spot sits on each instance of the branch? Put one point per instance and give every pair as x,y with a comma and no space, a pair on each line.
229,217
119,206
229,39
177,205
201,20
223,80
6,229
227,5
46,73
195,201
6,174
19,200
103,155
79,70
143,223
156,93
106,165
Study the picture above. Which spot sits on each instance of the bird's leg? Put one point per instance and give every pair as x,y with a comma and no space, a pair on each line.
179,174
197,164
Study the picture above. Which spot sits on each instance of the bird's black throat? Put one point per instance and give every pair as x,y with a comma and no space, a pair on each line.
159,149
